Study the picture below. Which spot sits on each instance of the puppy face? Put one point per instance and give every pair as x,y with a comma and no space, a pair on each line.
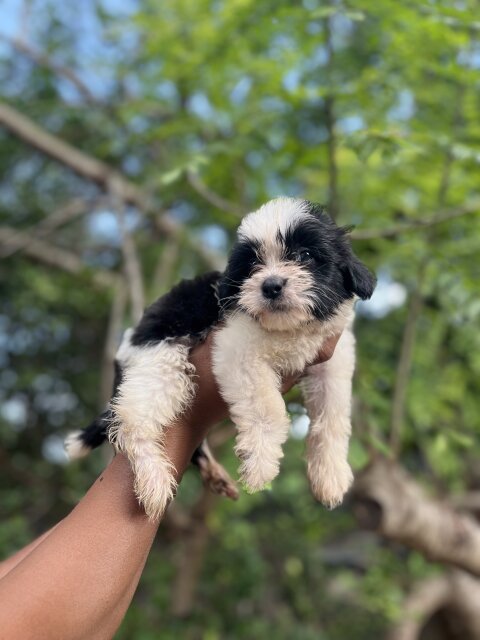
291,264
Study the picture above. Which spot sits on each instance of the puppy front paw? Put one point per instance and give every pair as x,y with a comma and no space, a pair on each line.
329,483
155,490
257,471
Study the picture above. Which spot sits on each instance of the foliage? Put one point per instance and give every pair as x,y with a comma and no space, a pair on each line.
240,94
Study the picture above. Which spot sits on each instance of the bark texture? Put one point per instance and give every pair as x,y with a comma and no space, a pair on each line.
389,501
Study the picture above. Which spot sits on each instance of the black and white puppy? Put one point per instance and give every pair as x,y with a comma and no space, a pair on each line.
290,283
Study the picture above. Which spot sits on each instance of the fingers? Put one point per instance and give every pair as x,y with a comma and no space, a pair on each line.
325,353
208,407
327,350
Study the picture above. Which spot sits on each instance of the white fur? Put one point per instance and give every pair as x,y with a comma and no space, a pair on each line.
276,215
327,392
74,447
157,386
248,363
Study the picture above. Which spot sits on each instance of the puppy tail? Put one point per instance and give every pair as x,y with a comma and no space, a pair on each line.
78,444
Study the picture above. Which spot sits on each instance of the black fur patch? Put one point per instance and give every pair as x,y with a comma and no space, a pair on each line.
242,261
96,433
189,309
335,266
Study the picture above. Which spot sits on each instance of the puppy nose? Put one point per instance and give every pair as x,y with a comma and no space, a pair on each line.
272,287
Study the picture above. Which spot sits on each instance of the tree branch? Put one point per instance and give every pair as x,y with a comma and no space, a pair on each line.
58,69
469,501
329,112
405,364
98,172
114,328
54,256
429,221
133,269
61,216
162,275
78,161
425,599
212,197
389,501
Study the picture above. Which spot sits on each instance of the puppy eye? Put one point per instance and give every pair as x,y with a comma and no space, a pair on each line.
304,255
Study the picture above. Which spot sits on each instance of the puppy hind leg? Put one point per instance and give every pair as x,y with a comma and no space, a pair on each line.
156,387
327,391
214,476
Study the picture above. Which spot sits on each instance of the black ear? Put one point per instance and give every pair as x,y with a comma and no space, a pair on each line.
358,279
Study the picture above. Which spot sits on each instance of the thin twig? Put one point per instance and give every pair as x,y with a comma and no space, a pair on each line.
133,269
43,60
470,208
329,112
163,271
114,328
212,196
26,11
405,364
415,308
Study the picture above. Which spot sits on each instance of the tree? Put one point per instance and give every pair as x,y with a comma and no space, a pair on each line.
131,142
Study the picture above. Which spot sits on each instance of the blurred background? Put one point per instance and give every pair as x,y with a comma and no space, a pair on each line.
133,136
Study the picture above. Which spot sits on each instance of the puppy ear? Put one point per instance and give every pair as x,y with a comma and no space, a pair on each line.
358,279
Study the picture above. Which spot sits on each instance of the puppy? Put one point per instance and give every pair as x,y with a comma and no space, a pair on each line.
290,283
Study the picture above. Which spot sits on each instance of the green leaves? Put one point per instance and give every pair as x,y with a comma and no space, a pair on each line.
236,93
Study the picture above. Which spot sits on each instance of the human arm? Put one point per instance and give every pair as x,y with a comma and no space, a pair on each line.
78,581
